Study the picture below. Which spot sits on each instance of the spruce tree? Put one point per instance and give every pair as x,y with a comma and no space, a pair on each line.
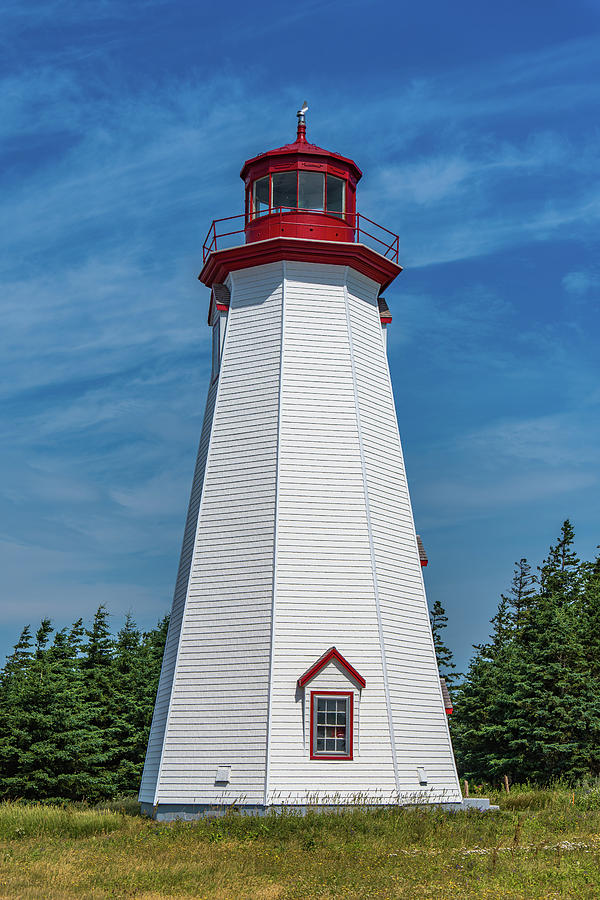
522,592
14,727
76,713
444,656
530,705
98,696
128,709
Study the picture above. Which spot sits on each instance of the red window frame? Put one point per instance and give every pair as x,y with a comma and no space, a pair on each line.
350,725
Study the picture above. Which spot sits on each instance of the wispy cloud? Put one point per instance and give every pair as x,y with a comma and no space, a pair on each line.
108,185
580,283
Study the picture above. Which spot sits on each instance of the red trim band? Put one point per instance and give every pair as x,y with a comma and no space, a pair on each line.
245,256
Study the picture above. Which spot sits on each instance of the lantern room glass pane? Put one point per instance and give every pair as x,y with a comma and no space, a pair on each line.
336,191
260,196
284,189
311,190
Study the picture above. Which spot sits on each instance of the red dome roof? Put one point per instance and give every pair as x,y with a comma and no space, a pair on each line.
299,148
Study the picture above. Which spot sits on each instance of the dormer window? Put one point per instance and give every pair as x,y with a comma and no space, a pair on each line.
330,705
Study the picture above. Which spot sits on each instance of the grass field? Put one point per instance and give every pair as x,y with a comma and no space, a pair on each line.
541,844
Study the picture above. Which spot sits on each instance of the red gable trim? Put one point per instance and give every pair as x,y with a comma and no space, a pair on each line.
330,654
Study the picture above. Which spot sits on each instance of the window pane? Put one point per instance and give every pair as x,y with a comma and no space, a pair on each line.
284,189
341,705
321,703
320,744
330,718
329,745
311,190
216,347
340,746
321,718
261,196
335,194
330,705
341,718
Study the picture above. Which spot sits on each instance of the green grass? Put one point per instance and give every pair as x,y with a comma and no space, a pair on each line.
541,844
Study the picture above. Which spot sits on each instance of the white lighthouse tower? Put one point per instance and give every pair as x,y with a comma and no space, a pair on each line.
299,666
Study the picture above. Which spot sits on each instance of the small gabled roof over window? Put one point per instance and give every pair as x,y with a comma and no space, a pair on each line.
446,696
331,655
384,311
219,300
422,553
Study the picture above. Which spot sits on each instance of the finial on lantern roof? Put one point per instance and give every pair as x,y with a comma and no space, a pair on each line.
301,136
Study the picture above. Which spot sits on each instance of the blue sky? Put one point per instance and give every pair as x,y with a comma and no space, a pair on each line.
125,126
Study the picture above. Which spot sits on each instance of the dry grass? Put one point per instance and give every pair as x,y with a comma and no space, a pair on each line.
542,844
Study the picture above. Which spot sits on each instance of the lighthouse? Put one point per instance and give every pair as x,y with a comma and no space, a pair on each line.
299,667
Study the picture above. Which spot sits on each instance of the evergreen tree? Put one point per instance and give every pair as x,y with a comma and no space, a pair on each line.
559,573
98,695
40,758
522,592
76,713
503,628
530,705
444,656
130,723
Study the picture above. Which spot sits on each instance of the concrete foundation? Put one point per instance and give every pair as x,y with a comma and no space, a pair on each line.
187,812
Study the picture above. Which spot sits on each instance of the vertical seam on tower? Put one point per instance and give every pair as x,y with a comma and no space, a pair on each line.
370,533
187,588
422,579
276,511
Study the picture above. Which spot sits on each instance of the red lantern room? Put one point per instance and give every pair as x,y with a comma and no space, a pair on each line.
300,203
300,190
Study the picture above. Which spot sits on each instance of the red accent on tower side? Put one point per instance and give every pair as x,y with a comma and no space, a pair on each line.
358,256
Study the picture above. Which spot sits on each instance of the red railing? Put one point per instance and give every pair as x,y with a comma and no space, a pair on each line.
360,227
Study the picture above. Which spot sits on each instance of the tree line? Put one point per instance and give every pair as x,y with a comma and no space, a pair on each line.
75,710
76,704
529,705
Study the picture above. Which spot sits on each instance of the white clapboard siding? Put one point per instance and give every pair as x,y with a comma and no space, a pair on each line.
218,699
161,706
324,582
303,539
417,706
